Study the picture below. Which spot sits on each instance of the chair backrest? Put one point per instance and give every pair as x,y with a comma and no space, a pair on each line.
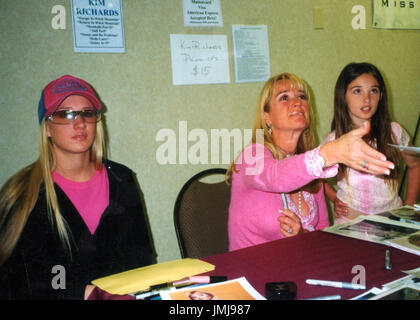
201,215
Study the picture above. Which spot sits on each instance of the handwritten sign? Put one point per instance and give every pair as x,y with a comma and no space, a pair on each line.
97,26
199,59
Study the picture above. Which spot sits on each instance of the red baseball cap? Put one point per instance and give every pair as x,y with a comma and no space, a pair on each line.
57,90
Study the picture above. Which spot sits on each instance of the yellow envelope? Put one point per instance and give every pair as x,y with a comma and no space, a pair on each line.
142,278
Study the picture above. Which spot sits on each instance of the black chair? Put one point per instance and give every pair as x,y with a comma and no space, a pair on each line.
201,215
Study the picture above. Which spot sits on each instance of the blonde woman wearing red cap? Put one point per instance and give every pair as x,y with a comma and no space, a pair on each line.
71,216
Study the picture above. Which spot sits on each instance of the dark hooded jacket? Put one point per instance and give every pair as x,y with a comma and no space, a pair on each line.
39,266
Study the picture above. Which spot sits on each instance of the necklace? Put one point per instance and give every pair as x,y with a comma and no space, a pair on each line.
288,154
299,206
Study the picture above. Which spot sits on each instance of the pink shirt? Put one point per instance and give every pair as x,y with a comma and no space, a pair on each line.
90,198
369,193
256,194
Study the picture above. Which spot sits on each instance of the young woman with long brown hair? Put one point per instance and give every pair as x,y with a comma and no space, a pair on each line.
361,96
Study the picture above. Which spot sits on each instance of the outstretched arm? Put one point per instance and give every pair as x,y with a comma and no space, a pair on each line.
352,151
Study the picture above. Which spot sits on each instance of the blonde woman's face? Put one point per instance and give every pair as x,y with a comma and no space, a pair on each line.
76,137
289,108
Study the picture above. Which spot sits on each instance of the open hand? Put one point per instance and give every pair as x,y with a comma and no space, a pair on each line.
352,151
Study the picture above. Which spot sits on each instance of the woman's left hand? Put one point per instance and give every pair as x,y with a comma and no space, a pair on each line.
290,224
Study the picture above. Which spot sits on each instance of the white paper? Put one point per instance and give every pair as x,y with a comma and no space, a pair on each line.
368,295
98,26
413,272
202,13
199,59
406,281
374,228
408,214
405,292
410,243
251,53
236,289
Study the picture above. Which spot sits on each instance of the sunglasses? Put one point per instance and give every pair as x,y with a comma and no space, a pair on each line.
69,116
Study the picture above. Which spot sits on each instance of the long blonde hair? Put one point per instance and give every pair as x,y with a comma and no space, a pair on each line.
306,141
20,193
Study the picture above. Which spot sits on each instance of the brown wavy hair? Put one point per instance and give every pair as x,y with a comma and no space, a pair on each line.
380,133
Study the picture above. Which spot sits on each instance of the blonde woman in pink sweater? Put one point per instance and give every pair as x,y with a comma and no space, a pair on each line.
276,191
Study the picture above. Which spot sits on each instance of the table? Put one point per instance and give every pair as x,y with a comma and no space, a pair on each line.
316,255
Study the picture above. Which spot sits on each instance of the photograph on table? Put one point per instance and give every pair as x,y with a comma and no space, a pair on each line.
374,229
237,289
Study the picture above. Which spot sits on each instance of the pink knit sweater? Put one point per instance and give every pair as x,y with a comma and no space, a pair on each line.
256,194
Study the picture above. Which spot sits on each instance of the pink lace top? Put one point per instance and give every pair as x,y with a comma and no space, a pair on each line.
368,193
256,194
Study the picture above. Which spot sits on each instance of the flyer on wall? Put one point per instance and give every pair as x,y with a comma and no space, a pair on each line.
202,13
98,26
251,53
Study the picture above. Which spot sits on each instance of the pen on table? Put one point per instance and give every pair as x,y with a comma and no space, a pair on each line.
388,265
200,279
156,291
336,284
152,295
333,297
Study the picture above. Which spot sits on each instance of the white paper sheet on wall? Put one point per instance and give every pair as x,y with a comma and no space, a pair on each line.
204,13
199,59
251,52
98,26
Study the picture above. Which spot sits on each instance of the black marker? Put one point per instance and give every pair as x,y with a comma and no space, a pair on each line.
388,265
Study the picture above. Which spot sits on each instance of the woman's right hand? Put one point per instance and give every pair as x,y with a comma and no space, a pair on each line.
352,151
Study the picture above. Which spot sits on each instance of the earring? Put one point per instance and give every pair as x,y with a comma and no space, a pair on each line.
270,131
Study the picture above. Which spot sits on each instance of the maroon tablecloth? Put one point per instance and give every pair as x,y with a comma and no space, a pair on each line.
316,255
99,294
